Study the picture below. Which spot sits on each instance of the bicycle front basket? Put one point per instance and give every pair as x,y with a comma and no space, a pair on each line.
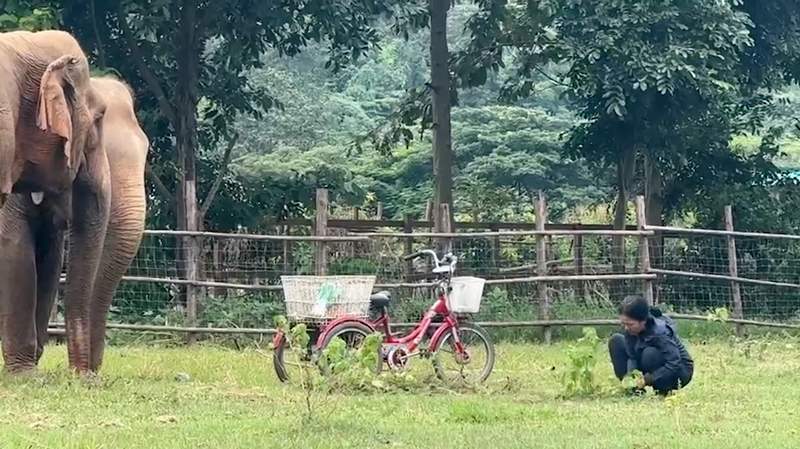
466,294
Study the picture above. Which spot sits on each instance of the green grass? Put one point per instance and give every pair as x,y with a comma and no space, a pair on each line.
233,400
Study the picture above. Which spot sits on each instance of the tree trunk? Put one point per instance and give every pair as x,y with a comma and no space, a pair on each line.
442,141
626,167
654,209
186,90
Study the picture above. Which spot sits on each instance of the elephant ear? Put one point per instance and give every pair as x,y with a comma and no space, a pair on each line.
54,111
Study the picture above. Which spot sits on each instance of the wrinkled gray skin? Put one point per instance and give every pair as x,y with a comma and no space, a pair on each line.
32,241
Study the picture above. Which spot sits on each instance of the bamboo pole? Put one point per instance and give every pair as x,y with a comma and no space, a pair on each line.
522,280
672,230
554,232
57,328
720,277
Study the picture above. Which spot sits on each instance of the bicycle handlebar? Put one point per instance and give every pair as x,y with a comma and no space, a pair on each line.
412,256
449,258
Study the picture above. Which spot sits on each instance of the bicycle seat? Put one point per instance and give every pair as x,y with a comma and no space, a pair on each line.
380,300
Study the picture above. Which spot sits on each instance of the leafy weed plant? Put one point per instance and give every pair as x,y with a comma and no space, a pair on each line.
579,378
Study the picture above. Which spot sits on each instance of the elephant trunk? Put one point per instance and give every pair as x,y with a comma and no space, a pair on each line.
90,205
124,234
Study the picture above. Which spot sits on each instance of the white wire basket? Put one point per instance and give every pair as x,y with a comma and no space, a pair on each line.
324,298
466,294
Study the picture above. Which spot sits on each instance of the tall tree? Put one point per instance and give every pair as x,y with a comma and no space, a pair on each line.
442,137
179,52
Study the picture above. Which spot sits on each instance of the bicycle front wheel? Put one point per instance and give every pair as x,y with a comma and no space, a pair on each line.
476,366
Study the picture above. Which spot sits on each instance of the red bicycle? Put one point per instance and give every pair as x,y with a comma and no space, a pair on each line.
453,334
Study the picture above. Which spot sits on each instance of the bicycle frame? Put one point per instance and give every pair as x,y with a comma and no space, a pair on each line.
413,339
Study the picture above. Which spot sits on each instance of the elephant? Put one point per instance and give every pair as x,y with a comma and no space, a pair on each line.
32,233
51,144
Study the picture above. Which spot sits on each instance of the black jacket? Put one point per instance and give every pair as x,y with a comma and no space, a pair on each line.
659,333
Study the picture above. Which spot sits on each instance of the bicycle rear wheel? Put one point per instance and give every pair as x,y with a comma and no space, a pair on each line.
353,334
288,358
451,367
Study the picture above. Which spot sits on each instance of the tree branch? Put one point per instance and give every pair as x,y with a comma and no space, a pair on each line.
162,189
226,160
147,73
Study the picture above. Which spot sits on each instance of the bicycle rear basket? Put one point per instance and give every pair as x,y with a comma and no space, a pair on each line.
323,298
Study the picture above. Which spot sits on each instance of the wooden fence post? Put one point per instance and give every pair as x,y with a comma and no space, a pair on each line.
733,271
430,217
408,244
444,227
379,211
321,229
217,260
541,267
288,255
494,243
193,253
644,249
352,249
577,255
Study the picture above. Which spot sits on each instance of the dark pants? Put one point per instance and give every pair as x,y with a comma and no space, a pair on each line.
651,361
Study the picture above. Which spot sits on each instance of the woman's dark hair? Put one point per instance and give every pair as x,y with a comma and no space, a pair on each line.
636,307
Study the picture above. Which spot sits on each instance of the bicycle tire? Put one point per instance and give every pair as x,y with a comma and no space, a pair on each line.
480,332
340,329
277,360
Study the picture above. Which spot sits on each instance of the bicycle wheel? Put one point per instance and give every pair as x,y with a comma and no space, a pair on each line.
353,334
287,359
474,339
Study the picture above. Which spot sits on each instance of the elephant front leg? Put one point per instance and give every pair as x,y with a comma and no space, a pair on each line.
17,287
49,261
90,206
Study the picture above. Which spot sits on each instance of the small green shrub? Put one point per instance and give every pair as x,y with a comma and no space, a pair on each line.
579,379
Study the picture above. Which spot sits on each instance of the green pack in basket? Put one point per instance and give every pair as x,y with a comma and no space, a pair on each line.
328,293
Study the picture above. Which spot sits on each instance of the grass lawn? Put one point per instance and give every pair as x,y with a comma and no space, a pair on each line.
233,400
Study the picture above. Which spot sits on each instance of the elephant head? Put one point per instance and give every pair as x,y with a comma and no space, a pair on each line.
59,117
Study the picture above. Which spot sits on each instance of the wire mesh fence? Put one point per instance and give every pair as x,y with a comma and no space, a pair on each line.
585,272
695,272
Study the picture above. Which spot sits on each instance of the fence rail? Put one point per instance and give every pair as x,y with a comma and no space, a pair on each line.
539,275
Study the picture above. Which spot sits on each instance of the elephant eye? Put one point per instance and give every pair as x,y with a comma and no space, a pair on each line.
96,133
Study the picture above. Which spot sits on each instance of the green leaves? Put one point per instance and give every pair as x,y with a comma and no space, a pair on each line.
579,377
28,16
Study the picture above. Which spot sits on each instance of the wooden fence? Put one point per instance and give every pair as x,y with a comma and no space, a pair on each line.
357,230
